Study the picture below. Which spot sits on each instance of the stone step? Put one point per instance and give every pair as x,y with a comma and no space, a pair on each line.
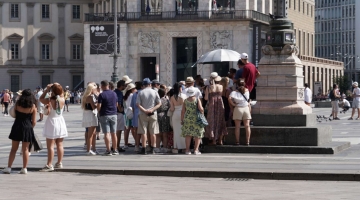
329,148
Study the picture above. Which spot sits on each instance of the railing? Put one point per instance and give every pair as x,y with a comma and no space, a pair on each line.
177,15
321,60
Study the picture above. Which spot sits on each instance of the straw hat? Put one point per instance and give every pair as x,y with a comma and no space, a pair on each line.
130,87
126,79
190,79
19,92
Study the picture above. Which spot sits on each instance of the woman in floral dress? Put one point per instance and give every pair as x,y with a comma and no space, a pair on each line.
164,123
188,119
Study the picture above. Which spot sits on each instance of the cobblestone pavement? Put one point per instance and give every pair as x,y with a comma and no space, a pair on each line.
36,185
347,161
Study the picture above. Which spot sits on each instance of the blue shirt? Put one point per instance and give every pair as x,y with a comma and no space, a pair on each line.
120,97
239,73
108,100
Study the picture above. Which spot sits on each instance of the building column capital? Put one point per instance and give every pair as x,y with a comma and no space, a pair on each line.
30,4
61,5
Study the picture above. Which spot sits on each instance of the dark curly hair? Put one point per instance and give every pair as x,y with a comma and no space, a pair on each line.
26,100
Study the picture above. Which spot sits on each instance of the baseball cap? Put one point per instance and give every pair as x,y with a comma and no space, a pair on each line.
244,56
146,81
155,82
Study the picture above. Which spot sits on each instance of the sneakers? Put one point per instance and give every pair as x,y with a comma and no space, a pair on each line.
148,148
188,153
58,166
7,170
156,150
197,153
85,146
137,149
96,152
126,147
23,171
120,149
336,118
107,153
143,151
350,118
115,153
90,153
164,150
47,168
174,151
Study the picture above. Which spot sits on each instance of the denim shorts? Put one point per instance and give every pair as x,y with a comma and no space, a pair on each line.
108,123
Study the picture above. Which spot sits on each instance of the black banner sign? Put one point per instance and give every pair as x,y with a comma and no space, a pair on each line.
102,39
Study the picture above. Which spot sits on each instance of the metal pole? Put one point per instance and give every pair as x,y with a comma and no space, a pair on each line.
115,77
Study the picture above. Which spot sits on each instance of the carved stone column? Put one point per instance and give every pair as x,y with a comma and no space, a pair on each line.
29,36
1,38
61,18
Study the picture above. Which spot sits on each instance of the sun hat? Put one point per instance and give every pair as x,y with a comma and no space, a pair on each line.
19,92
146,81
130,87
244,56
215,76
126,79
190,92
190,79
355,84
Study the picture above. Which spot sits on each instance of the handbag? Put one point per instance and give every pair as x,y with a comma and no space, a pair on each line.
36,144
129,113
201,120
12,112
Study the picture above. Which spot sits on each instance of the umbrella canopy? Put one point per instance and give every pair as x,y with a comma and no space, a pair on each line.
218,56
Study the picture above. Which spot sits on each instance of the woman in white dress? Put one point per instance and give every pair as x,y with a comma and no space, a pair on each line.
176,103
90,120
130,90
54,128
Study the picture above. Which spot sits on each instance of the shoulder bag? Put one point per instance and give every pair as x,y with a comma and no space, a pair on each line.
12,111
201,120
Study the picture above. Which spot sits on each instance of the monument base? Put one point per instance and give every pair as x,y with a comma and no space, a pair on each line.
329,148
284,120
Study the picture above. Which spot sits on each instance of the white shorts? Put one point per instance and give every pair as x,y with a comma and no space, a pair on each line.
356,104
41,109
120,122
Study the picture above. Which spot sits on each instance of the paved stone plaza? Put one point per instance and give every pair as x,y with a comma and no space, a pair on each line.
84,186
346,162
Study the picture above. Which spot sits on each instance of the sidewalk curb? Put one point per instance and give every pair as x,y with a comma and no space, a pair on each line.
218,174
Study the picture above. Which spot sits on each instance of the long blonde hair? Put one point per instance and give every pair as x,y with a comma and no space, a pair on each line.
87,93
224,82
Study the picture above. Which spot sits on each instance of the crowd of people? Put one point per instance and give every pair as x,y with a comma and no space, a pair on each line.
161,119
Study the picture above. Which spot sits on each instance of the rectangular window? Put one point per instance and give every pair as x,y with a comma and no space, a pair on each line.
45,80
45,11
76,51
294,4
45,51
14,51
14,10
299,6
76,12
15,82
303,7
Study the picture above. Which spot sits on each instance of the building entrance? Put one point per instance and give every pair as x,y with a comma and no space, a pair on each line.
148,68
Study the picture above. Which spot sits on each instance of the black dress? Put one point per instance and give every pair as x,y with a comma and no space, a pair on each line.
22,129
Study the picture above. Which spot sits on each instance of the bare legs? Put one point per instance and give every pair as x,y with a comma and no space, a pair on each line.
247,130
59,147
25,151
188,141
113,140
118,135
91,140
162,138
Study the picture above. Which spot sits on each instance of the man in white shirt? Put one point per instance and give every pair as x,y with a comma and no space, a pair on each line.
190,84
345,104
307,94
356,101
40,106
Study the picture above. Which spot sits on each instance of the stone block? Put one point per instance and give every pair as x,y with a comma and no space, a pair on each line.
276,80
284,136
284,120
264,93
